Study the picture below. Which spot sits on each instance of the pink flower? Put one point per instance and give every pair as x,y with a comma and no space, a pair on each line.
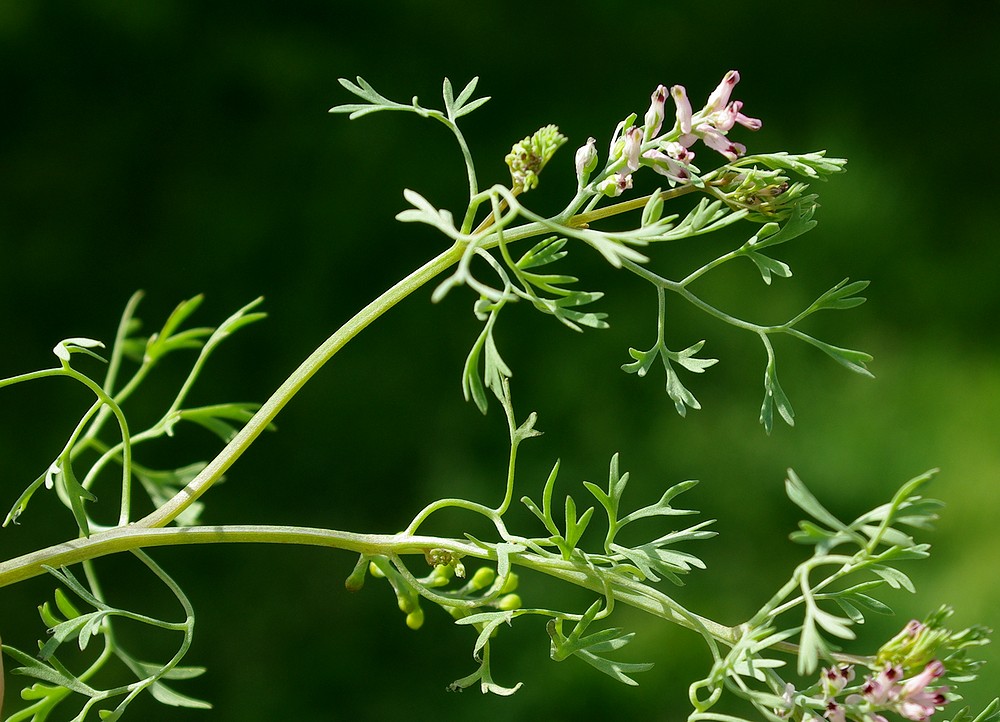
921,706
665,165
883,688
834,679
834,712
654,116
683,105
719,98
633,144
616,184
678,152
916,702
932,671
712,122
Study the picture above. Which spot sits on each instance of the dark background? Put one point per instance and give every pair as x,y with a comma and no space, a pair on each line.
183,148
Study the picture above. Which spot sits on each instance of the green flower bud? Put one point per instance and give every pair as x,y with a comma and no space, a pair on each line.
509,602
407,603
356,580
527,158
441,575
375,571
483,578
415,619
586,161
510,584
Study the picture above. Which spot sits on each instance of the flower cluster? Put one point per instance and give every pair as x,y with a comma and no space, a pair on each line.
904,678
527,157
669,153
887,690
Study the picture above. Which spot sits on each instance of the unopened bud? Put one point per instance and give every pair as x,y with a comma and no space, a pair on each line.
654,116
679,94
586,161
483,578
415,619
527,158
356,580
406,603
509,602
510,584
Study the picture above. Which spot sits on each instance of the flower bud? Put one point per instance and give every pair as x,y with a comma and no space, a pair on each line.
510,584
356,580
586,161
633,144
654,116
527,157
483,578
509,602
406,603
415,619
441,575
679,94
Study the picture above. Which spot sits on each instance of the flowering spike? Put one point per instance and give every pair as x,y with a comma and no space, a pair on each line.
527,158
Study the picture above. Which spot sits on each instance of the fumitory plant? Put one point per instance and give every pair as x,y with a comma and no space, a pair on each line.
796,658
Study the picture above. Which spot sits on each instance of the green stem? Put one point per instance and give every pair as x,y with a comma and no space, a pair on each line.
114,366
105,398
260,421
135,537
582,219
679,288
214,470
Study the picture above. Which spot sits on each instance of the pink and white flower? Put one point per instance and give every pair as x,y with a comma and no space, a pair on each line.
918,703
712,122
586,160
654,116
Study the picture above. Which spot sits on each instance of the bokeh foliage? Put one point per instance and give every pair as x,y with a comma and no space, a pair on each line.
184,148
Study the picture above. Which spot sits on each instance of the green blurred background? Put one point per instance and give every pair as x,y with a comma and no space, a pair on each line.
183,147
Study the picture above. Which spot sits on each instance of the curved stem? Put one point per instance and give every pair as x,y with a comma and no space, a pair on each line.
260,421
134,537
105,398
114,366
440,504
681,290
